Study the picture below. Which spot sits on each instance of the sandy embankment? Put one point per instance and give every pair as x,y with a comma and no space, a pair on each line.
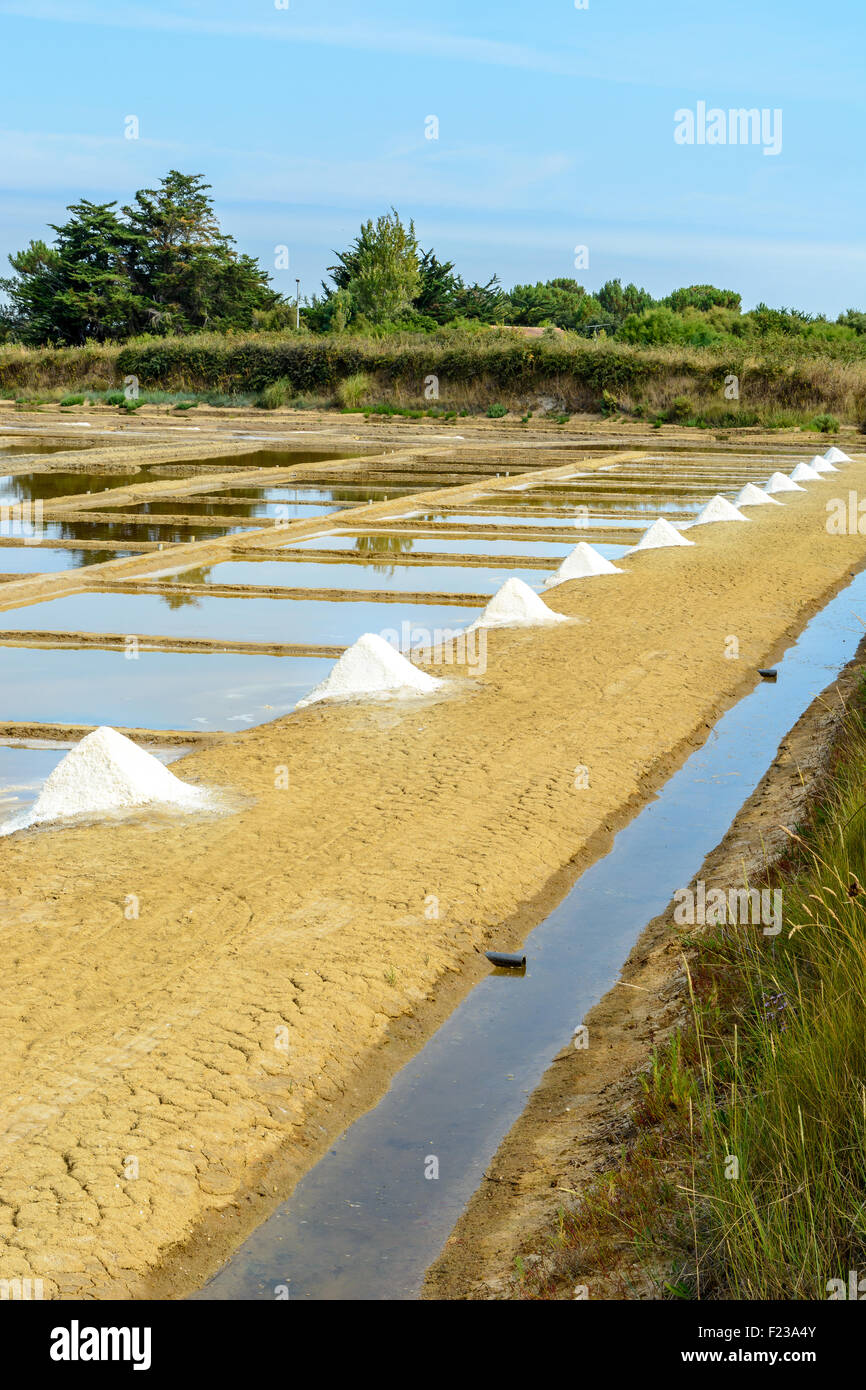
155,1045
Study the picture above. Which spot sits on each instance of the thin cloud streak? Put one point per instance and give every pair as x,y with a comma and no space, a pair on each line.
281,30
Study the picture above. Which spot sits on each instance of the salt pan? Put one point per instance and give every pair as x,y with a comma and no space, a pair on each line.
371,667
780,482
660,534
516,605
583,562
106,772
752,496
804,474
718,509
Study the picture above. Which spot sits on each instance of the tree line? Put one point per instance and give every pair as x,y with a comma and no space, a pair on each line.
162,266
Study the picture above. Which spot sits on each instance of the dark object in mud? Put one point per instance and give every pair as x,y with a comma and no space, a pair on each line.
768,673
508,962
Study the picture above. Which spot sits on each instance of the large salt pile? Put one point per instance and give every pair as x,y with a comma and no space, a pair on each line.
780,482
834,455
581,563
660,534
751,496
516,605
106,772
372,667
821,465
804,474
718,509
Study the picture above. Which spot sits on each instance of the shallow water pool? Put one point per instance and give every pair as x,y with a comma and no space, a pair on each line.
161,690
312,622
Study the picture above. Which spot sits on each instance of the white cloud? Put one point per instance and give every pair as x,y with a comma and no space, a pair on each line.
283,29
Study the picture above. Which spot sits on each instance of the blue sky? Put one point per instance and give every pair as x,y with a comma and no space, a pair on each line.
555,130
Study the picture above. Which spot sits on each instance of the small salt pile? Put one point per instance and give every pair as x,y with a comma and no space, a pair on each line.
751,496
804,474
581,563
660,534
516,605
106,772
372,667
718,509
834,455
780,482
820,464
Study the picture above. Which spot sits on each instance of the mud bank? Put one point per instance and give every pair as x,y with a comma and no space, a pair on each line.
170,1074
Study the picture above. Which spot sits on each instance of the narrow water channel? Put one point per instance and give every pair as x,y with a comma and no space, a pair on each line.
365,1222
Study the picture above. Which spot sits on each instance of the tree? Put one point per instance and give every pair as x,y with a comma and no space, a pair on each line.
485,303
80,287
161,264
562,302
186,266
703,298
439,289
619,302
385,276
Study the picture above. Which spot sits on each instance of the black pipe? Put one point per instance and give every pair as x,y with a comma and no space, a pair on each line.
508,962
768,673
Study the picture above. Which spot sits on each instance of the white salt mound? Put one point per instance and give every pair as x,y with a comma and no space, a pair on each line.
804,474
372,667
660,534
516,605
718,509
106,772
820,464
751,496
582,562
834,455
780,482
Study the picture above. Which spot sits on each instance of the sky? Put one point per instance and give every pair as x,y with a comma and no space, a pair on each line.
556,131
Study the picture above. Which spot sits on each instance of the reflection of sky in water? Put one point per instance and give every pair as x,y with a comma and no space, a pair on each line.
305,621
390,549
447,579
162,690
36,559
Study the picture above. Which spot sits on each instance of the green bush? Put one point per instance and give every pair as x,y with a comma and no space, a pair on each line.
277,394
73,400
496,411
679,410
354,391
827,424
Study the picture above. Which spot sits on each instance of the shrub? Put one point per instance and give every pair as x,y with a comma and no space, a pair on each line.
827,424
679,410
496,411
354,391
275,395
72,400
